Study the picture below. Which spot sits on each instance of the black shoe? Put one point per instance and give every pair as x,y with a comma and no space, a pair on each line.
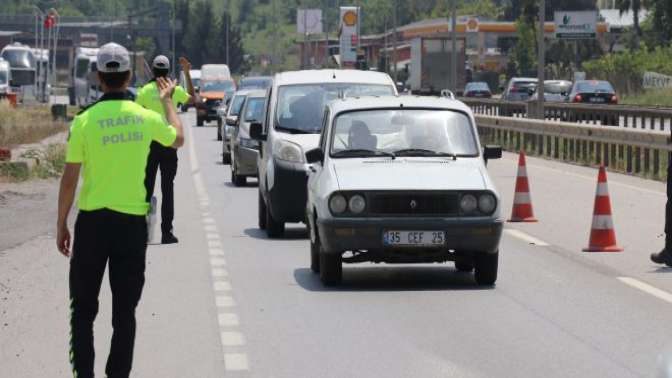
168,238
662,257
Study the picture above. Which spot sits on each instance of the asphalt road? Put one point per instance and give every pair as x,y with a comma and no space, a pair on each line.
226,301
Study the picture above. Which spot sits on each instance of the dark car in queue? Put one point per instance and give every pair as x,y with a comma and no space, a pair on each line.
477,89
230,120
244,149
593,92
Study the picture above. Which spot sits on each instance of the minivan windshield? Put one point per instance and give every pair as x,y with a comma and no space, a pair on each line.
299,107
395,132
217,86
19,58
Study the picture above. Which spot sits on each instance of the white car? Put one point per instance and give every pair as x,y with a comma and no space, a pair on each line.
292,125
229,114
402,180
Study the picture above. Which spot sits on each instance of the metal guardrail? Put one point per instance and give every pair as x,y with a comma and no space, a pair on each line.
626,116
644,153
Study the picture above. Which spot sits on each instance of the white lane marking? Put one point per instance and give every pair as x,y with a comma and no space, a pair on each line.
236,361
219,272
228,319
221,286
212,236
217,262
205,214
225,301
525,237
651,290
214,244
210,228
232,338
216,252
208,220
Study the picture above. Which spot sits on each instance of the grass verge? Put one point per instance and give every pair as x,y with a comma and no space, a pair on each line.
650,97
26,124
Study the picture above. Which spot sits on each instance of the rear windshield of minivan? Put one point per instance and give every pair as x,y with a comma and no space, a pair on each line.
299,107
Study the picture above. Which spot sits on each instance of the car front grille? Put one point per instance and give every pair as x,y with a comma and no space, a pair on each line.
413,203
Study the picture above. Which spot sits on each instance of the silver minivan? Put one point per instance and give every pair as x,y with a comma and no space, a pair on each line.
245,150
293,121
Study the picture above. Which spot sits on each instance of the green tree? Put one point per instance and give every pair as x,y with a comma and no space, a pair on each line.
662,20
197,41
635,6
525,51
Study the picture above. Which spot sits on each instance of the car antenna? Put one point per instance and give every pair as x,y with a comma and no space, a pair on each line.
333,74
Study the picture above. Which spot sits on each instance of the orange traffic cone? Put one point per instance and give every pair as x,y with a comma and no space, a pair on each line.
522,201
602,234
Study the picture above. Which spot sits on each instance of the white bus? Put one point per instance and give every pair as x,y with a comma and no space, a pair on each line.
22,66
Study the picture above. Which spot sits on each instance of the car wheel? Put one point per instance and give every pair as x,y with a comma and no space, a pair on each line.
331,268
486,268
236,179
315,254
262,212
199,121
274,228
464,266
219,130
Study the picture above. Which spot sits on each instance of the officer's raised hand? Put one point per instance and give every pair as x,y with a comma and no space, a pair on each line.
166,88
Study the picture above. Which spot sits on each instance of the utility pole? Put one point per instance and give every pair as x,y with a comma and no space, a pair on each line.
541,60
228,40
172,37
453,56
394,41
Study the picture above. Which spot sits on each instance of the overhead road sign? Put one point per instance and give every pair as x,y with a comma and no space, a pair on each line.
575,24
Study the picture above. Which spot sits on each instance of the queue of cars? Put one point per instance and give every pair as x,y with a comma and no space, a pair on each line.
375,176
581,91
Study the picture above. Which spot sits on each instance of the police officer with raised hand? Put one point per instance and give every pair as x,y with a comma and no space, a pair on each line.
161,157
109,142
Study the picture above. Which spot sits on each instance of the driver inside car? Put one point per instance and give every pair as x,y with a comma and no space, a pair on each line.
360,138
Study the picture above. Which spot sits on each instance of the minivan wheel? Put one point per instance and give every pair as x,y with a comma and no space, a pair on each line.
274,228
464,266
262,212
315,254
199,121
331,268
226,155
237,179
485,265
219,129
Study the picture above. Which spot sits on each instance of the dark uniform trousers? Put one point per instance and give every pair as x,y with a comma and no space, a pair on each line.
105,237
668,209
164,158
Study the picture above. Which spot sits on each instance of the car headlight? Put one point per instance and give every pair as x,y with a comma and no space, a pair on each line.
468,203
337,204
249,143
487,203
287,151
357,204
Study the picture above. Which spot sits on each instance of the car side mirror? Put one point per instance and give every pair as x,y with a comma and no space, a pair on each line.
492,152
232,121
257,131
316,155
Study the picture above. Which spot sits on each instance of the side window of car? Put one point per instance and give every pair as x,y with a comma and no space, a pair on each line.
267,106
325,130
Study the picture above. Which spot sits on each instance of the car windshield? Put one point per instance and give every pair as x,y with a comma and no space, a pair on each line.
3,77
19,58
217,86
195,82
594,87
557,88
254,110
237,105
255,83
299,107
409,132
477,87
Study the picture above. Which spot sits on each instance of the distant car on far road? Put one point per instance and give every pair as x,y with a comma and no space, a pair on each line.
519,89
245,150
593,92
366,202
477,89
555,91
256,82
195,80
213,93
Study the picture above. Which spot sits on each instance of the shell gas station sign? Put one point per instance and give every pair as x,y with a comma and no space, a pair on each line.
349,35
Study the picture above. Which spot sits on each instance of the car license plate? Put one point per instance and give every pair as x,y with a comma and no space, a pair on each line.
414,238
596,99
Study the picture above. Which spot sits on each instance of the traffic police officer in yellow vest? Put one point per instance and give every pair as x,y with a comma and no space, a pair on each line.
109,142
161,157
